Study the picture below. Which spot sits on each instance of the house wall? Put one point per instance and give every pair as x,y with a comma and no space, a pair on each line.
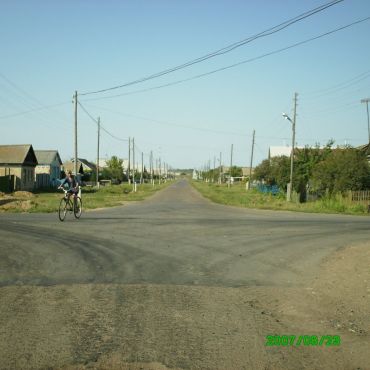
48,174
24,176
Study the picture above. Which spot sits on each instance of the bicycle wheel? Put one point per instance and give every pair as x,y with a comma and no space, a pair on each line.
63,207
77,209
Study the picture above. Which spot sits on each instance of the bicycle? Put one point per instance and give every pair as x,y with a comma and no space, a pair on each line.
66,205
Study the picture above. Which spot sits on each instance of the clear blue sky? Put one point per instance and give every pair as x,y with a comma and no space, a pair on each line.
49,49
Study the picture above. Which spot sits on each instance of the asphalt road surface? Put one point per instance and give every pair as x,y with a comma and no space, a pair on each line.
171,282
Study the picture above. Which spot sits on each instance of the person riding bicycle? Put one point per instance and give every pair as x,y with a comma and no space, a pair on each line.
73,185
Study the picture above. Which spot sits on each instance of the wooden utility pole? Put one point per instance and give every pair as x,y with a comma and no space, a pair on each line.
75,105
220,170
133,161
151,167
97,156
231,163
129,161
142,168
156,169
366,101
293,143
251,163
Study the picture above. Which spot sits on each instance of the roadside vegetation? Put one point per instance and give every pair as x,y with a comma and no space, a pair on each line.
237,195
92,198
330,180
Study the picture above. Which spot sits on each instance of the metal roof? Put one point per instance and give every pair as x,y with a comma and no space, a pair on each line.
17,154
45,157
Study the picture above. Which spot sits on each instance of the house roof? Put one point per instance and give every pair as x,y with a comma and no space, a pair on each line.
17,155
47,156
85,163
70,166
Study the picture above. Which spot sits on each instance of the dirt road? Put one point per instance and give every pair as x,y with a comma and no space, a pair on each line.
178,282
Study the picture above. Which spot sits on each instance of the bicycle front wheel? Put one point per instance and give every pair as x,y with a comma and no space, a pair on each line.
63,207
77,207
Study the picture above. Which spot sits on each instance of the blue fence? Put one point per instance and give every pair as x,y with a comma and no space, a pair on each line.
273,189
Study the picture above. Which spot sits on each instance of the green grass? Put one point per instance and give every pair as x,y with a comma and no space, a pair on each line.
237,195
92,198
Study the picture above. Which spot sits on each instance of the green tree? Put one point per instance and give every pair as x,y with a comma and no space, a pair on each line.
236,171
342,170
114,169
262,172
274,171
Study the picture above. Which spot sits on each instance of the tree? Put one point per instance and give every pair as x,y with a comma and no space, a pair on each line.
236,171
342,170
274,171
114,169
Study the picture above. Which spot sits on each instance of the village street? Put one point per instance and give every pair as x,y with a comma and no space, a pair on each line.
179,282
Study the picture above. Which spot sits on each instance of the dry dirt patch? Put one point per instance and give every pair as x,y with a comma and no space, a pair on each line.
158,327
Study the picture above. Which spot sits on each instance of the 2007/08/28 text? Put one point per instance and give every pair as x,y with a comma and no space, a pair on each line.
302,340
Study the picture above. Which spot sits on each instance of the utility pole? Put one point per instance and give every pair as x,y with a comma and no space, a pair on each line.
220,170
214,169
75,101
142,168
133,162
129,161
97,158
251,164
366,101
293,142
160,170
151,166
156,168
231,163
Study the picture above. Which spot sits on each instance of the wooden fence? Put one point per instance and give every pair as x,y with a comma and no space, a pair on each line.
360,196
7,183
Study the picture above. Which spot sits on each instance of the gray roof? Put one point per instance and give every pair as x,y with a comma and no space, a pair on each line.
85,162
17,154
47,156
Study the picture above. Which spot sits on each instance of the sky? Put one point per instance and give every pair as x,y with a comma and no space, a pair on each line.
50,49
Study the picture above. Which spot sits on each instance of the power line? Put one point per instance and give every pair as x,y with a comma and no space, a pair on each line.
340,86
236,64
97,122
220,132
34,110
224,50
35,104
171,123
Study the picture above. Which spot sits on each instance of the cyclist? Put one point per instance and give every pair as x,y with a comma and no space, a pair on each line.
73,185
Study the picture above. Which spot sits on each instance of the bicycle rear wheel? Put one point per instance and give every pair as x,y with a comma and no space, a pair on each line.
77,209
63,207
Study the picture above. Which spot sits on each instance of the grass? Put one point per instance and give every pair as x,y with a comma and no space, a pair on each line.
237,195
92,198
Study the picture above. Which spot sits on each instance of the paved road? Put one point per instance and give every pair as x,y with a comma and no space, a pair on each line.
177,237
174,281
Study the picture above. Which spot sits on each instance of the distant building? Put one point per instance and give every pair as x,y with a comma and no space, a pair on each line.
83,166
48,169
17,167
279,151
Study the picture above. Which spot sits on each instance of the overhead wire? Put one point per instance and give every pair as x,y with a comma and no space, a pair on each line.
277,51
101,127
30,101
340,86
224,50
